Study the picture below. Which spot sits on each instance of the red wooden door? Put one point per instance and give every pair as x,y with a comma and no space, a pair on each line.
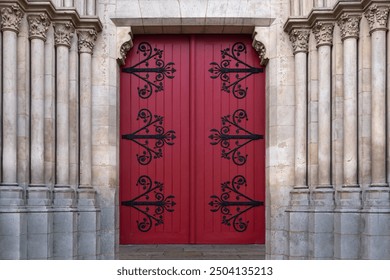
192,150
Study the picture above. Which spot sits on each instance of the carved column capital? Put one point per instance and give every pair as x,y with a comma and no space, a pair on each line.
11,17
63,34
38,26
87,38
323,33
260,49
300,40
377,17
349,25
124,49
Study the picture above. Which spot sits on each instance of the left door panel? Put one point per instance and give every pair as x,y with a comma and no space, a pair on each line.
154,144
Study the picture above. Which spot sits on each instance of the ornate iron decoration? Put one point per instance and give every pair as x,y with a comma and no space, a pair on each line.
142,136
143,71
232,203
241,137
241,70
152,197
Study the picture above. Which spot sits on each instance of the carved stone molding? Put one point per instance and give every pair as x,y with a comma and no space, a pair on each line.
260,49
349,25
11,17
124,49
86,40
377,17
63,34
38,26
300,40
323,33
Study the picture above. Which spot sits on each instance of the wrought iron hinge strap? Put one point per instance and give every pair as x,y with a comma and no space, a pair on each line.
226,205
162,70
223,137
223,70
160,204
161,137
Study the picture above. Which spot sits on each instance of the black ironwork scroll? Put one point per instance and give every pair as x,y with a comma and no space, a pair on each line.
152,203
232,203
231,76
143,136
143,70
232,142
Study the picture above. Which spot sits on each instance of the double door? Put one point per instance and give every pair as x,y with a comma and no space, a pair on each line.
192,148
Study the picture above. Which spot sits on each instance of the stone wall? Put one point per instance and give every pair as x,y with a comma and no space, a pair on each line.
340,204
327,194
48,206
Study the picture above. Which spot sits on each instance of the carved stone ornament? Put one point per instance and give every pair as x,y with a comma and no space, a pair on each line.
11,17
125,48
63,34
349,26
300,40
260,49
38,26
323,33
377,17
87,38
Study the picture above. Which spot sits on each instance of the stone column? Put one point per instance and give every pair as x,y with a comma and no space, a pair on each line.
319,3
349,26
39,217
11,17
376,239
321,220
377,18
68,3
63,35
39,25
323,32
347,216
88,220
64,228
299,201
12,231
91,7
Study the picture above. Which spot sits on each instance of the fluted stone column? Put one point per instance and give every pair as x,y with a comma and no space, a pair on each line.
88,218
64,226
299,196
12,217
321,220
348,198
376,237
39,217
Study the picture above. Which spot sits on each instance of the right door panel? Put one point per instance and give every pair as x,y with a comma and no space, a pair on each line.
229,147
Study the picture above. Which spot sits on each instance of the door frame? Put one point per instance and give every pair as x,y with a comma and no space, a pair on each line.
125,44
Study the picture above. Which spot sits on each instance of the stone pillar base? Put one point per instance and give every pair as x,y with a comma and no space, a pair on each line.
88,224
299,223
13,229
347,223
64,223
376,221
321,221
13,233
39,222
377,196
11,195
